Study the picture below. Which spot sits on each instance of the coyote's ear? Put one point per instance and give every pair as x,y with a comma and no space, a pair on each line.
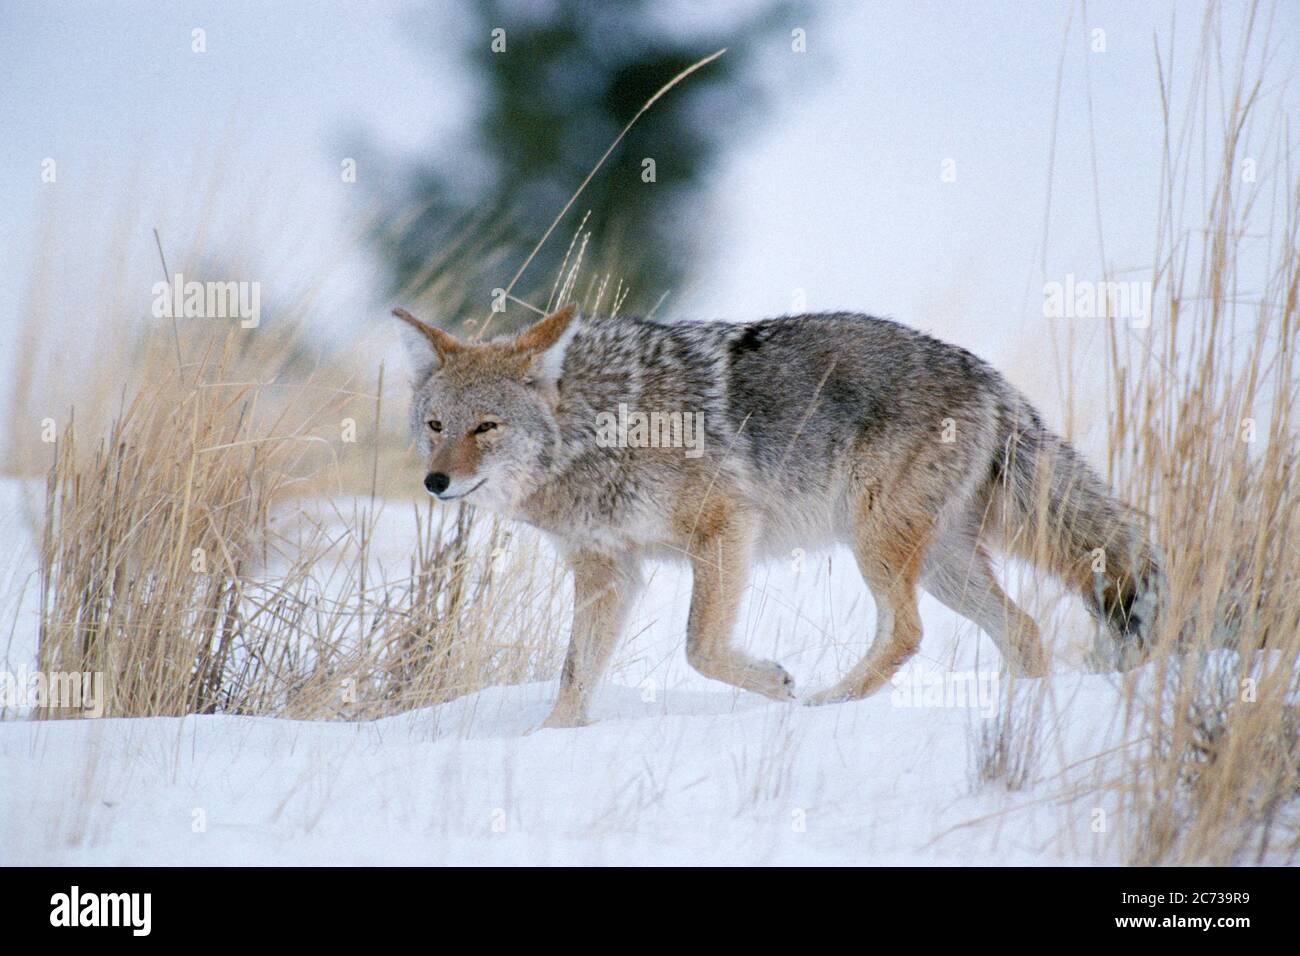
545,342
544,333
428,346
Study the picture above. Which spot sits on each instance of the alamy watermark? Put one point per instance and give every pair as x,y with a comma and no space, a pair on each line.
637,429
130,910
179,299
1085,299
53,690
972,690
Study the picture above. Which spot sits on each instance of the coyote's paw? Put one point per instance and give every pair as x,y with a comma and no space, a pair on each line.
779,685
831,695
840,693
563,720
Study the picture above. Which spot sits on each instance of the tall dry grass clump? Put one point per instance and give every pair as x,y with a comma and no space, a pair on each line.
1203,438
178,561
148,538
1202,442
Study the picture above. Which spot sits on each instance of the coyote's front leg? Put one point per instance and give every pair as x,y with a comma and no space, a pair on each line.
603,589
720,562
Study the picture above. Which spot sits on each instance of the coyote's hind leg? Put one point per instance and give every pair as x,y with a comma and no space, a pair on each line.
889,550
959,574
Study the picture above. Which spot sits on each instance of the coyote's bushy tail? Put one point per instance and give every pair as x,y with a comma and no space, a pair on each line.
1051,509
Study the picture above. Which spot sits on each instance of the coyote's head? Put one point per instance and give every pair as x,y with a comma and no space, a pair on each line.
484,413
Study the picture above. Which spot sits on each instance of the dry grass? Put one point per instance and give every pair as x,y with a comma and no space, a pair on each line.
192,549
176,561
1203,437
1007,748
168,565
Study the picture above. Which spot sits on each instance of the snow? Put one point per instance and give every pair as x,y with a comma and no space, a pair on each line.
691,778
675,768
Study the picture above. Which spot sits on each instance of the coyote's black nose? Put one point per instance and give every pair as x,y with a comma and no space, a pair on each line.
436,482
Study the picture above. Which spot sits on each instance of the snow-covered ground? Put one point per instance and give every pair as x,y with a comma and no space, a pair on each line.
691,777
675,769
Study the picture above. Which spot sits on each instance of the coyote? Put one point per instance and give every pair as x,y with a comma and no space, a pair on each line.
817,429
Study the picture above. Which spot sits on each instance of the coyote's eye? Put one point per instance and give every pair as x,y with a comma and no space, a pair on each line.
435,426
485,427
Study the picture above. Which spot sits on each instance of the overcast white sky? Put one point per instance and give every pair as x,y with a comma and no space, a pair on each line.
835,195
